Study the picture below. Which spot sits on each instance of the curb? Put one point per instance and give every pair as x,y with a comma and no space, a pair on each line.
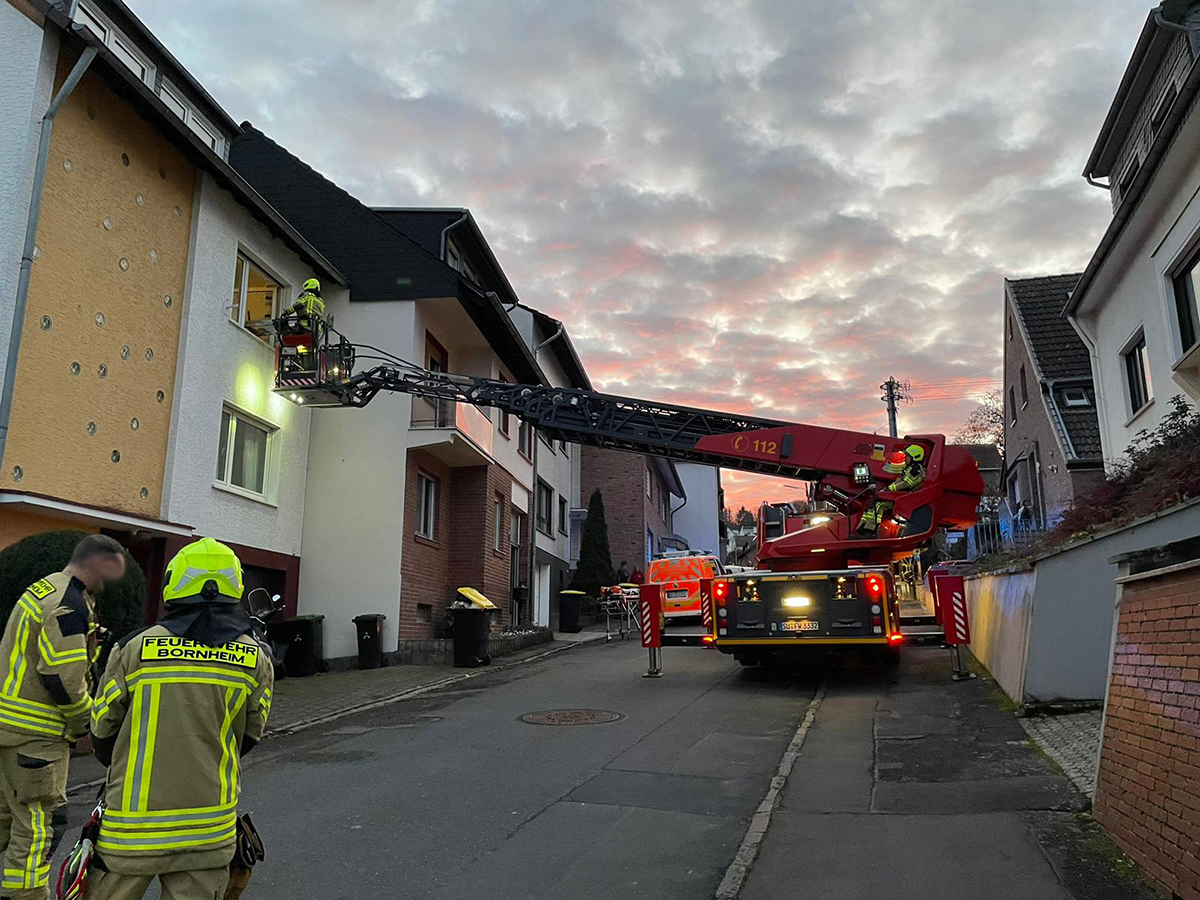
304,724
735,875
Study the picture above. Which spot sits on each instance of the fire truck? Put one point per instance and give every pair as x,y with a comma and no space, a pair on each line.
819,581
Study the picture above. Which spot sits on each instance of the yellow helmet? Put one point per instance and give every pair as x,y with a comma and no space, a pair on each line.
313,285
915,452
203,570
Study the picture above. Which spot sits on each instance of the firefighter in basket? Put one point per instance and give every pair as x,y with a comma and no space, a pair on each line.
909,468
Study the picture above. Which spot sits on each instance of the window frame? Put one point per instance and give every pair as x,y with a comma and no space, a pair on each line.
543,490
1189,302
281,291
1012,404
1079,401
223,480
117,42
525,440
1136,345
498,506
424,509
1024,388
564,514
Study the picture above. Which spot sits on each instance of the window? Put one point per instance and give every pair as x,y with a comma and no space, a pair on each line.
173,99
1137,373
545,507
504,413
1024,389
545,438
204,132
243,453
1128,176
1160,111
427,502
664,505
498,525
1076,397
453,257
514,555
562,447
1184,286
1012,407
1010,326
255,294
563,514
122,48
525,440
648,490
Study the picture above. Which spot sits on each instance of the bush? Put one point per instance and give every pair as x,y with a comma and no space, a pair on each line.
121,608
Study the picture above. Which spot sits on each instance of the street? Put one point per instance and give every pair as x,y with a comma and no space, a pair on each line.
906,785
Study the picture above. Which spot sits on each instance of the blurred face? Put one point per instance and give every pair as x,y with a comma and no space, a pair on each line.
104,570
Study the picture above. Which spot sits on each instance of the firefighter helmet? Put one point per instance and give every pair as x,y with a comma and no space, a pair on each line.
313,286
204,570
915,452
895,463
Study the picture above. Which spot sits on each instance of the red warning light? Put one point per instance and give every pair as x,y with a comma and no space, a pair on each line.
707,639
874,584
720,590
895,638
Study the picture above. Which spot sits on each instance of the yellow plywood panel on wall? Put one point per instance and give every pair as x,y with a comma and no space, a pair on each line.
92,405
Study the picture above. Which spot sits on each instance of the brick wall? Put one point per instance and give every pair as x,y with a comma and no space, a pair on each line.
621,478
1148,785
462,553
424,572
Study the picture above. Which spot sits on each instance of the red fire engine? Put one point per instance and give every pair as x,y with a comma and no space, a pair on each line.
818,582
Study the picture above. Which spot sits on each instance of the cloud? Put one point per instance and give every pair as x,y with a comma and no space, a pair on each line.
767,206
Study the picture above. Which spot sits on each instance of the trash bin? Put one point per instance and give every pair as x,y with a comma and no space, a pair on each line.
300,640
370,640
569,605
472,625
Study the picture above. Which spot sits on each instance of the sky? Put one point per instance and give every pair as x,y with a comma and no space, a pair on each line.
767,206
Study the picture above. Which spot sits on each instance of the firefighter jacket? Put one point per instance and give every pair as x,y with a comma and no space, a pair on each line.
910,479
176,713
309,304
45,658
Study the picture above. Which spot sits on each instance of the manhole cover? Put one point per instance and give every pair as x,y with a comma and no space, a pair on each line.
572,717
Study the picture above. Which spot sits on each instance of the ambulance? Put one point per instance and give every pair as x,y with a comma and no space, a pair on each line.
679,572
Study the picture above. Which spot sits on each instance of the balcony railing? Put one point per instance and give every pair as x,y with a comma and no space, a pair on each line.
472,423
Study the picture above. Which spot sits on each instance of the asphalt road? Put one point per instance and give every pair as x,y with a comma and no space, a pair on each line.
453,796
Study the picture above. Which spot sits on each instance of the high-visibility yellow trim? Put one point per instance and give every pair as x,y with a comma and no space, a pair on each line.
136,739
151,738
191,674
16,658
186,841
37,824
234,701
157,826
55,657
33,708
31,607
33,725
119,815
171,648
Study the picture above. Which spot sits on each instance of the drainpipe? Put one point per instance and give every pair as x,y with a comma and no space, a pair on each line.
1162,22
31,226
533,530
1087,176
466,214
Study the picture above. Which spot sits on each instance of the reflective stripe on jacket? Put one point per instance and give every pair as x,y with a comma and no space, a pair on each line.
179,711
44,654
910,479
309,304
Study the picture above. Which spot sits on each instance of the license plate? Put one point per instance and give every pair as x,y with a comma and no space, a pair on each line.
677,595
800,625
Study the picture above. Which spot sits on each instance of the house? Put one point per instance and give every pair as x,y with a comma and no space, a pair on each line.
1051,435
638,505
410,499
698,518
141,405
1135,303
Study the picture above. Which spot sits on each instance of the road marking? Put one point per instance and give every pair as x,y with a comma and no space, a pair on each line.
735,875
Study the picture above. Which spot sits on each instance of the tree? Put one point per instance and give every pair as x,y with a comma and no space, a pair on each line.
985,423
744,518
121,608
595,569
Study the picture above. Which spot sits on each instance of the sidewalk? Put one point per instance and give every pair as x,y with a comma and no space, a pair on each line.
908,785
299,703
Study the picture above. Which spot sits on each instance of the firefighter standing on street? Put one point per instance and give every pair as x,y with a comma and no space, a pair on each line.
909,467
45,707
180,703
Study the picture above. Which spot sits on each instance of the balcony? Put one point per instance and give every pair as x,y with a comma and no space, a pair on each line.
455,433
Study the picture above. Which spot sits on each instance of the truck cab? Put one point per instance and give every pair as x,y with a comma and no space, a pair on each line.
680,573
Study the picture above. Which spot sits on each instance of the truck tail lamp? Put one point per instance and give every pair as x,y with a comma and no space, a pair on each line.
875,586
721,592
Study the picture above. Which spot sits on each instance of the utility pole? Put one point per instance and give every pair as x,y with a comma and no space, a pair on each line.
893,392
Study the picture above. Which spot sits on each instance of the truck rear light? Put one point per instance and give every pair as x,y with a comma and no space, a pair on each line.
721,591
874,584
876,620
895,638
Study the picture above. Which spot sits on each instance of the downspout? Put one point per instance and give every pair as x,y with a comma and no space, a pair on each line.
533,530
1097,384
466,214
31,227
1087,176
1162,22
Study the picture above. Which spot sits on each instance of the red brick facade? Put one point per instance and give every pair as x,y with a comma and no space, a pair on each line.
621,478
462,551
1148,786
